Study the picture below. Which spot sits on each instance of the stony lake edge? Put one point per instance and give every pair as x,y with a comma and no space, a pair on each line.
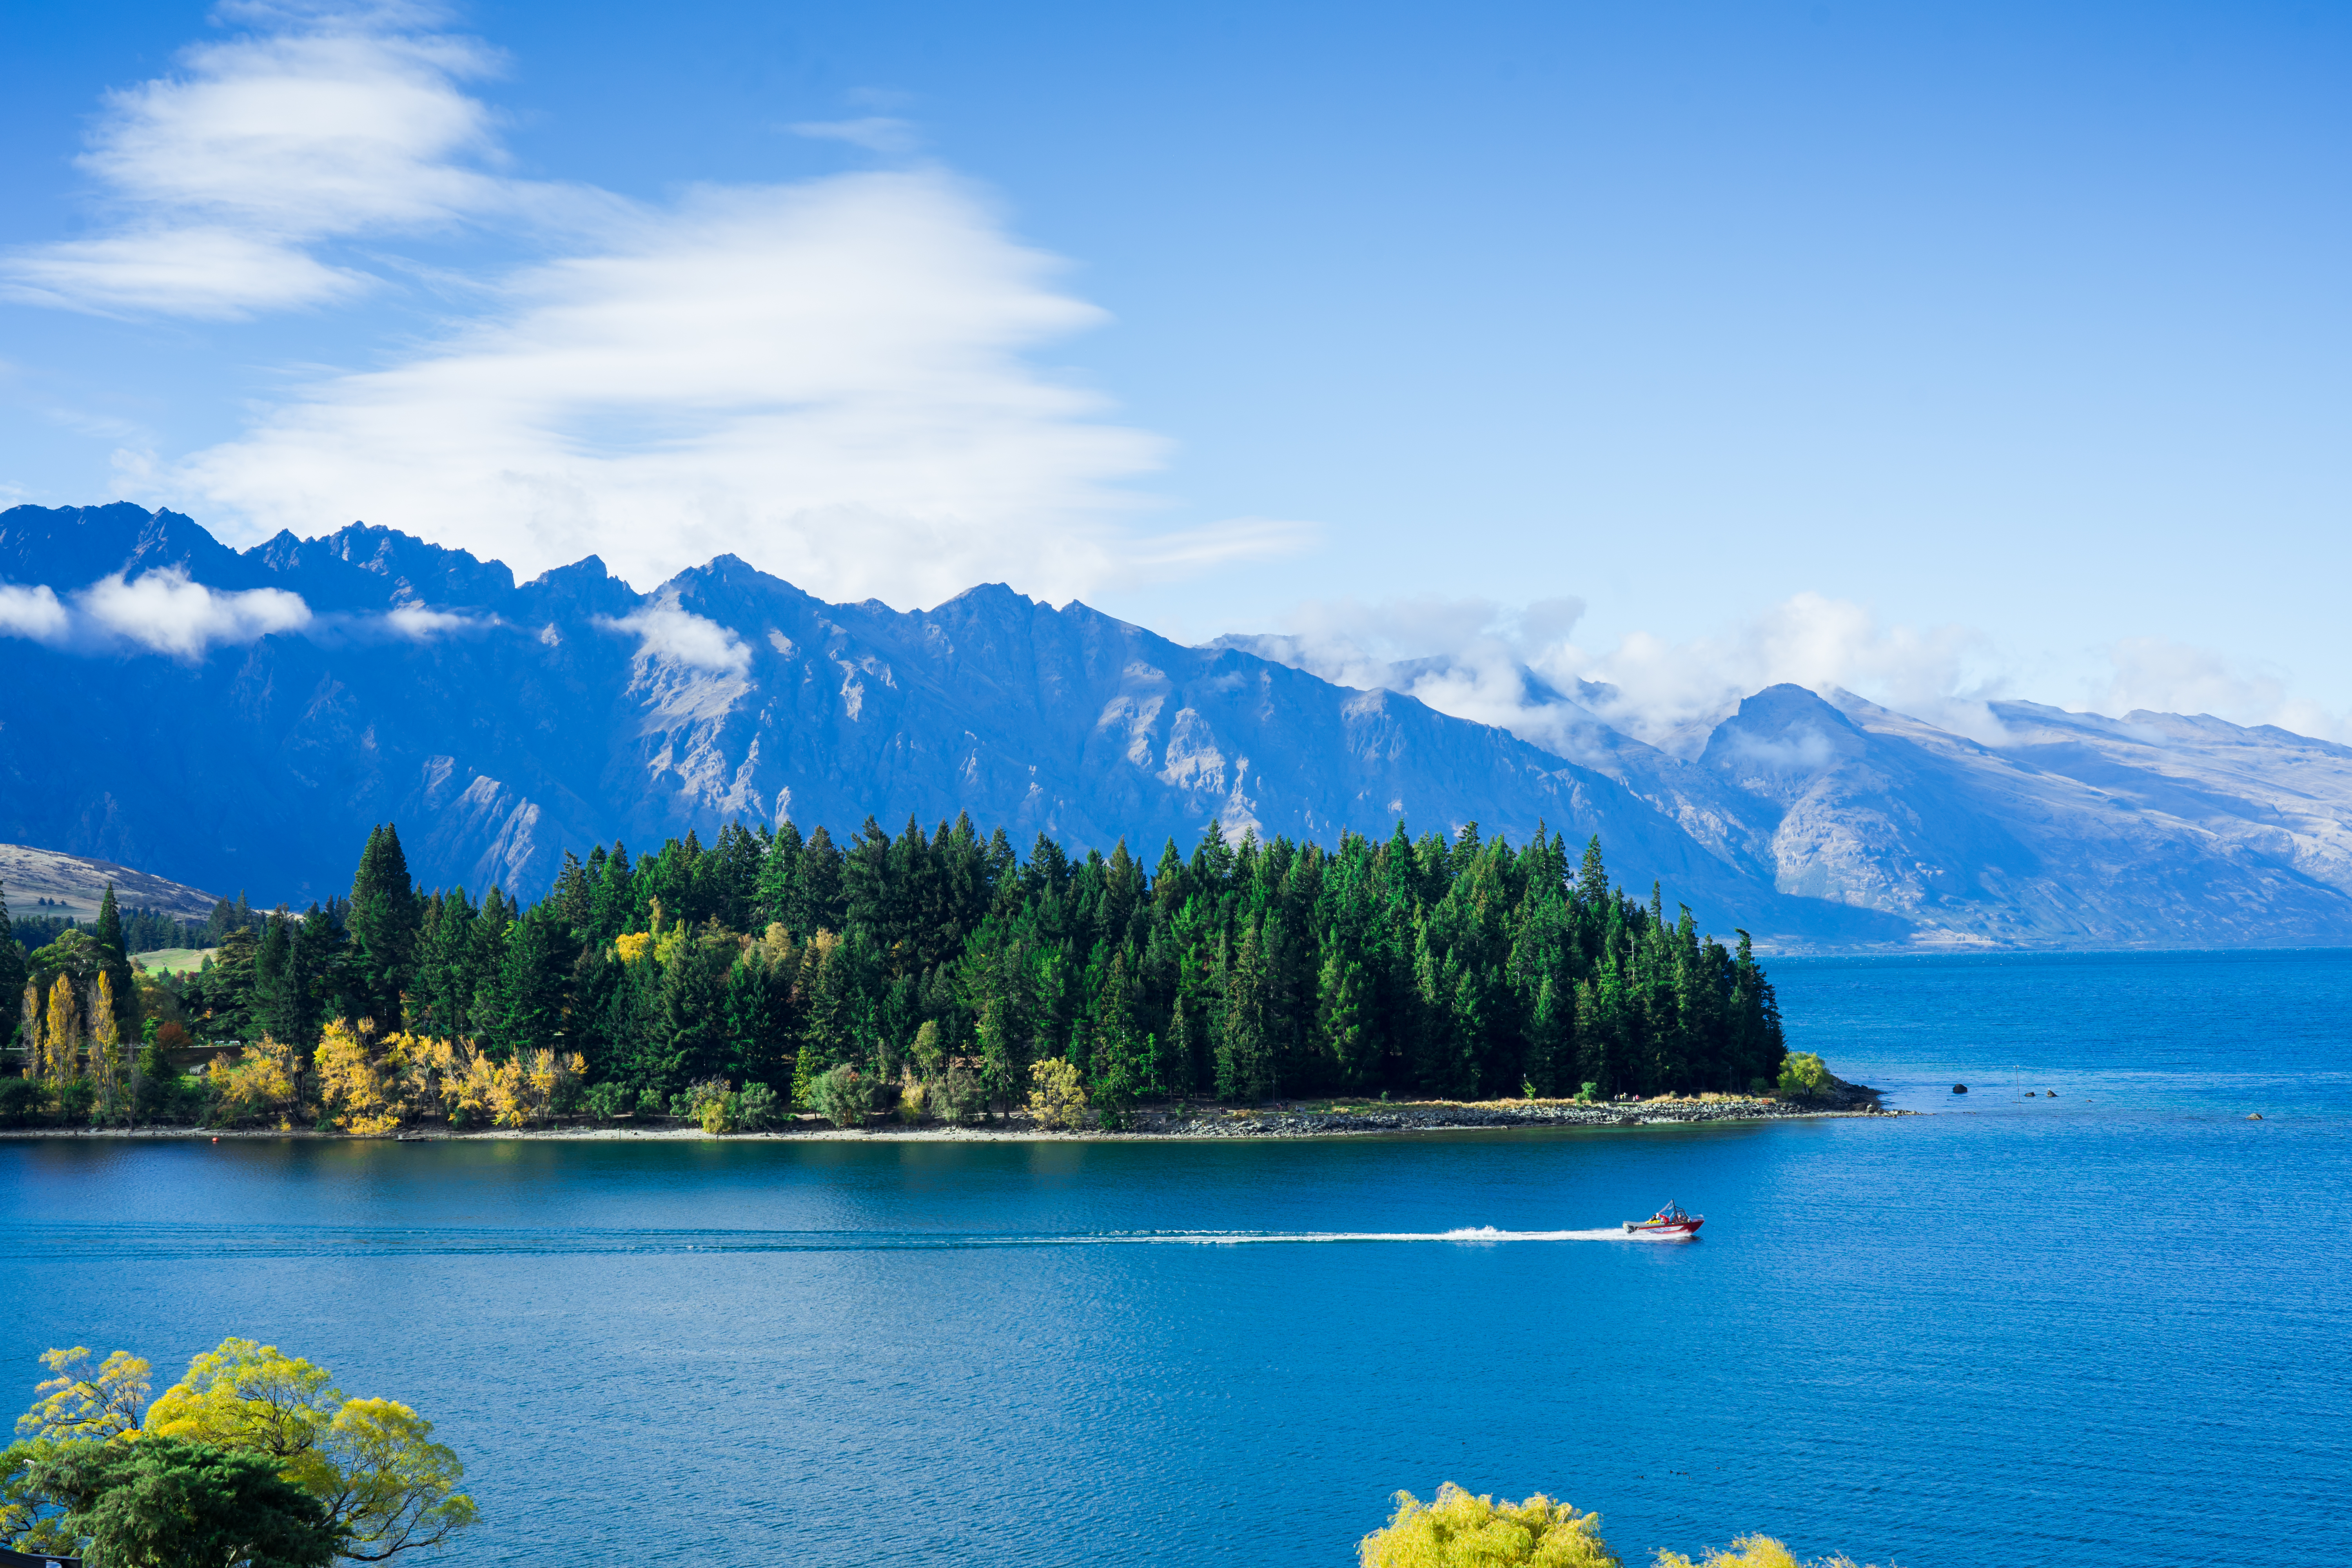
1277,1119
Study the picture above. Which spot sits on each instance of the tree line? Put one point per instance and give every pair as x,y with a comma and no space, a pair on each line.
1456,966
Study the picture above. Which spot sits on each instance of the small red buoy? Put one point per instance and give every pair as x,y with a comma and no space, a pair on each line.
216,1140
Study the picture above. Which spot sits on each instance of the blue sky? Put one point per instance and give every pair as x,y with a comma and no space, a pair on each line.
1938,351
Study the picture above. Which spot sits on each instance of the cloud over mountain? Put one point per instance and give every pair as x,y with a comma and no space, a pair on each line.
837,378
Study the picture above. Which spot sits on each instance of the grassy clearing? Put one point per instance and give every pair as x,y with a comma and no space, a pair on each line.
172,959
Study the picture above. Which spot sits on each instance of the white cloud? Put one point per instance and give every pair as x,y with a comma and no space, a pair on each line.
666,632
1671,694
165,611
881,133
832,379
825,379
1480,660
2166,677
322,125
32,612
416,622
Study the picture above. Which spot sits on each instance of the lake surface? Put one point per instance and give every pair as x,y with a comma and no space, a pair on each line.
2108,1328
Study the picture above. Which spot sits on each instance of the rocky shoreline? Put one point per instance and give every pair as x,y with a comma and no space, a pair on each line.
1426,1116
1186,1120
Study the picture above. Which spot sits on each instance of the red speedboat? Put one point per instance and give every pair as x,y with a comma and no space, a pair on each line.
1669,1224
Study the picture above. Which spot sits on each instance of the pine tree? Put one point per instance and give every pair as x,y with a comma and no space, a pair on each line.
1592,880
108,928
385,920
1551,1039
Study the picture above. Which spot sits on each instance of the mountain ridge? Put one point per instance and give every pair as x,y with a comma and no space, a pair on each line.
501,723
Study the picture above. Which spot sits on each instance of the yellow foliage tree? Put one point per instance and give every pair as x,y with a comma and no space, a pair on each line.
61,1041
632,946
1752,1552
371,1088
1458,1531
107,1066
76,1407
1803,1074
387,1486
258,1081
361,1089
1055,1100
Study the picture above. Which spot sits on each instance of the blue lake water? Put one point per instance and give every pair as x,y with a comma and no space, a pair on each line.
2107,1328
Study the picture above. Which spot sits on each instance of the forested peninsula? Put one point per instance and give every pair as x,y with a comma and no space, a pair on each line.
942,975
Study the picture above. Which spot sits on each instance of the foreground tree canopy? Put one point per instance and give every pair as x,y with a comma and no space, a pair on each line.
254,1458
1458,1531
1461,967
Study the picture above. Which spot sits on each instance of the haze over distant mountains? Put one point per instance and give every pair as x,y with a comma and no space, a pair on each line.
239,719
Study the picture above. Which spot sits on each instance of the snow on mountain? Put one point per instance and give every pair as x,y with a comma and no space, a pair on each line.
239,718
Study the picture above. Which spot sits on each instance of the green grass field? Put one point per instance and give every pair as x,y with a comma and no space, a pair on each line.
172,959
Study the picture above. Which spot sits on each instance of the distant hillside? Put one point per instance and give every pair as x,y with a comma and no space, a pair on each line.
74,884
500,724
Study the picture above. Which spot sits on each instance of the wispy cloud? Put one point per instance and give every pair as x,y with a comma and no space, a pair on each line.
835,379
1521,669
221,180
882,133
2162,675
826,379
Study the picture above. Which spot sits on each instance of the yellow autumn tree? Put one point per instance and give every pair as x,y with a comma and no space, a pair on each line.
361,1089
385,1485
257,1082
1752,1552
80,1406
1458,1531
61,1040
107,1066
1056,1098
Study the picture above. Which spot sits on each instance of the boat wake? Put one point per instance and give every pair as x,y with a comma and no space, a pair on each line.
89,1242
1484,1233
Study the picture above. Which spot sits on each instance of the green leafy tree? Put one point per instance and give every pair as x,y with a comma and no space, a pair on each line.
161,1503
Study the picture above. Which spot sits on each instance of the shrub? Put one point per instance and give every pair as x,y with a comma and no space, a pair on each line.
607,1100
955,1095
929,1048
76,1101
708,1103
1056,1098
912,1092
1588,1094
20,1100
1458,1531
1804,1075
650,1103
755,1110
843,1096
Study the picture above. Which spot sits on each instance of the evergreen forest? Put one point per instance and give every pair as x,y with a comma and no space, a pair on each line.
1460,967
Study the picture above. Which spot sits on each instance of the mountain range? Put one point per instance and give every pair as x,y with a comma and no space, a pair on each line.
238,718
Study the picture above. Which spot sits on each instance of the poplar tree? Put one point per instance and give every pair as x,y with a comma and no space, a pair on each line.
61,1039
